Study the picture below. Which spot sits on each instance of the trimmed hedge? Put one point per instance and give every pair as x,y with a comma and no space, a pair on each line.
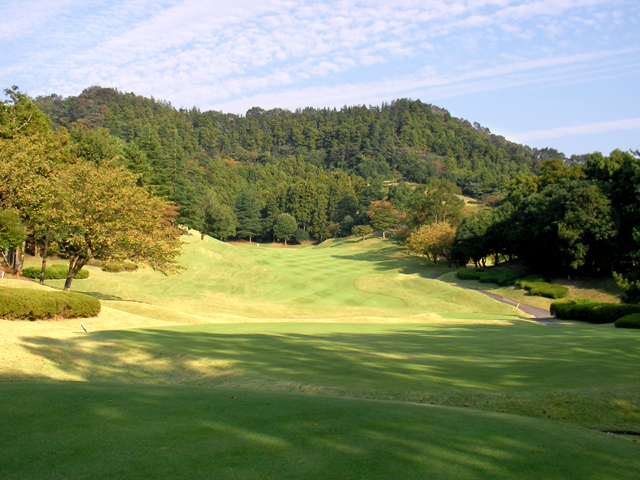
543,289
501,277
115,266
628,321
57,271
35,304
592,312
469,273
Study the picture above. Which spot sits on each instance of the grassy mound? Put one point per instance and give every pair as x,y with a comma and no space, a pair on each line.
56,271
32,304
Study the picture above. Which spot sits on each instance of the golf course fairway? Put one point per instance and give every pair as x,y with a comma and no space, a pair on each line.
347,360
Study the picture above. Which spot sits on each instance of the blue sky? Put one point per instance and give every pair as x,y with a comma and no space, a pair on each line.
557,73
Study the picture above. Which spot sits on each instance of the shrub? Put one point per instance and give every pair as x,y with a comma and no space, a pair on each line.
592,312
501,277
301,235
115,266
544,289
32,304
57,271
469,273
629,321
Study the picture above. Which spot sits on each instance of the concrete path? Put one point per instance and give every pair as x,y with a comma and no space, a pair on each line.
540,315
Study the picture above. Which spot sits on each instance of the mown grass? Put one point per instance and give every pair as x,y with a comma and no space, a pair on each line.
95,432
339,278
250,347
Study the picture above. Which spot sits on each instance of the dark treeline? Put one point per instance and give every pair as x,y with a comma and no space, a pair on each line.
319,165
578,219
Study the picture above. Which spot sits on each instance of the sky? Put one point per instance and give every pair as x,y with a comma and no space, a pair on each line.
563,74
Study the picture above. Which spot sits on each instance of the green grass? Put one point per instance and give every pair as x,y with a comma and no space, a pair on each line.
339,278
403,375
96,432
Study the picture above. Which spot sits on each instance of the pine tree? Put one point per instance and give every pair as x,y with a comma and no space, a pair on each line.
247,210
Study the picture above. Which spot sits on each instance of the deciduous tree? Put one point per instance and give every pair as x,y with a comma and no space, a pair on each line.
106,215
382,215
284,227
432,240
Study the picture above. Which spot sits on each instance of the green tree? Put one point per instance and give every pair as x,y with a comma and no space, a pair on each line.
382,215
436,202
106,215
284,227
247,210
362,231
12,232
220,221
346,225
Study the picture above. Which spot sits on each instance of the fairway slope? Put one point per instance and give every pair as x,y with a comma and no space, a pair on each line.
344,278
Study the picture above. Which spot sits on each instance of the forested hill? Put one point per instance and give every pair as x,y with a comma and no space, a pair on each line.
403,138
322,166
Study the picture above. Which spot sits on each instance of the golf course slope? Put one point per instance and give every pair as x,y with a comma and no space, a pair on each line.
349,359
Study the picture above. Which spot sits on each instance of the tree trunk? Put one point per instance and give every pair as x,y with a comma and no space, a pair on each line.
44,256
20,259
383,237
201,236
75,265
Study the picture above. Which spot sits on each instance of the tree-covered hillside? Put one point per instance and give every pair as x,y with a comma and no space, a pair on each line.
402,138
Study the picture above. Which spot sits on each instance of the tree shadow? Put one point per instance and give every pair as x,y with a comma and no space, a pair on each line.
76,430
106,296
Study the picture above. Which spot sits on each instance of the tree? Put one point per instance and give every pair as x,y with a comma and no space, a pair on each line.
284,227
247,210
362,231
219,219
432,240
470,240
106,215
382,215
12,232
346,225
20,116
435,202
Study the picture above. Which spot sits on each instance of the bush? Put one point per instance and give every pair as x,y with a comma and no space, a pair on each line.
501,277
629,321
301,235
115,266
57,271
32,304
469,273
592,312
543,289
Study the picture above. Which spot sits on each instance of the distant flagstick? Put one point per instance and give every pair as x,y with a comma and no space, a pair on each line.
83,327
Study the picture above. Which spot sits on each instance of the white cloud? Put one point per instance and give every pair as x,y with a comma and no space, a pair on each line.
590,129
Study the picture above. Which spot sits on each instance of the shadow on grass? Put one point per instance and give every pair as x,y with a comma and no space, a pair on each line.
478,359
106,296
94,432
389,258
